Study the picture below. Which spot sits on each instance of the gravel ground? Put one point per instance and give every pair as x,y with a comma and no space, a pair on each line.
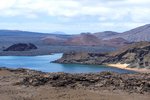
23,84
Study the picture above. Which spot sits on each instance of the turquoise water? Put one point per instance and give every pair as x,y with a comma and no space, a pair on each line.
42,63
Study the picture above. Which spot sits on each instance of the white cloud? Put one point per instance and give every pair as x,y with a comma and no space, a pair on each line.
71,8
140,14
5,4
133,12
138,1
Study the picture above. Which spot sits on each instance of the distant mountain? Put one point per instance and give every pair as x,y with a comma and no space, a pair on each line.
138,34
58,38
116,42
53,40
105,34
9,37
59,32
27,33
19,33
84,39
108,38
87,39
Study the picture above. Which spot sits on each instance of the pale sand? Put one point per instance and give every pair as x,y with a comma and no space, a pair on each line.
125,66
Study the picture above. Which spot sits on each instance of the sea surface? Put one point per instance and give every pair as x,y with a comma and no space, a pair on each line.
43,63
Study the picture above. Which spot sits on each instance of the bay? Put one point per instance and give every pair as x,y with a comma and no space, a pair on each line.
43,63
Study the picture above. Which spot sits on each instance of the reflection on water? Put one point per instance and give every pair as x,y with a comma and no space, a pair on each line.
42,63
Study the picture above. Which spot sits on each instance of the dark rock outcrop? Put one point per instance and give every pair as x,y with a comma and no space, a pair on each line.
82,58
132,83
137,55
21,47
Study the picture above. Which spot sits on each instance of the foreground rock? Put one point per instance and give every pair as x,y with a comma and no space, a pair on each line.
21,47
24,84
132,83
136,55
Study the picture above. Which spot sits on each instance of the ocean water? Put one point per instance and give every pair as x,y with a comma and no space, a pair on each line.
43,63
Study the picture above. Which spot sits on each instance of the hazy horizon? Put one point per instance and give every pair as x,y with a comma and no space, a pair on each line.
73,16
61,32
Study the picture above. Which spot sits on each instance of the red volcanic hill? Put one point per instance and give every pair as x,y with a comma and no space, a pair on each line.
84,39
53,40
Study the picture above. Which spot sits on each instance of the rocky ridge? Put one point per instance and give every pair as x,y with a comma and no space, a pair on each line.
136,55
138,34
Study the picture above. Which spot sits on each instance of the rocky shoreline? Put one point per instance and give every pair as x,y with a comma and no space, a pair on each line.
136,55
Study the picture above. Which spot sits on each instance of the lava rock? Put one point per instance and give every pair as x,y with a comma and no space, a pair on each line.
139,83
21,47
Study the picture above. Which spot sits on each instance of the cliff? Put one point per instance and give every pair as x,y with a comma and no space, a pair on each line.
136,55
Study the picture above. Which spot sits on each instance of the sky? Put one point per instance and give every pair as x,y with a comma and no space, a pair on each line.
73,16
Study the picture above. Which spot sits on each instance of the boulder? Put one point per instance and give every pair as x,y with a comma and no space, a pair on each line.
21,47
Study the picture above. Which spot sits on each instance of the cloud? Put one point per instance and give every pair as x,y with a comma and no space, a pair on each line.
5,4
71,8
62,7
69,13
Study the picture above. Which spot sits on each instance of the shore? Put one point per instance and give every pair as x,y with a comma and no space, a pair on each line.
125,66
25,84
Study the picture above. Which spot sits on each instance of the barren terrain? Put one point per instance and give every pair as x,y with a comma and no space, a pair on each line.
12,88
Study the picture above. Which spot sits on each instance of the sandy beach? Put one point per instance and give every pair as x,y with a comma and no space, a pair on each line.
125,66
